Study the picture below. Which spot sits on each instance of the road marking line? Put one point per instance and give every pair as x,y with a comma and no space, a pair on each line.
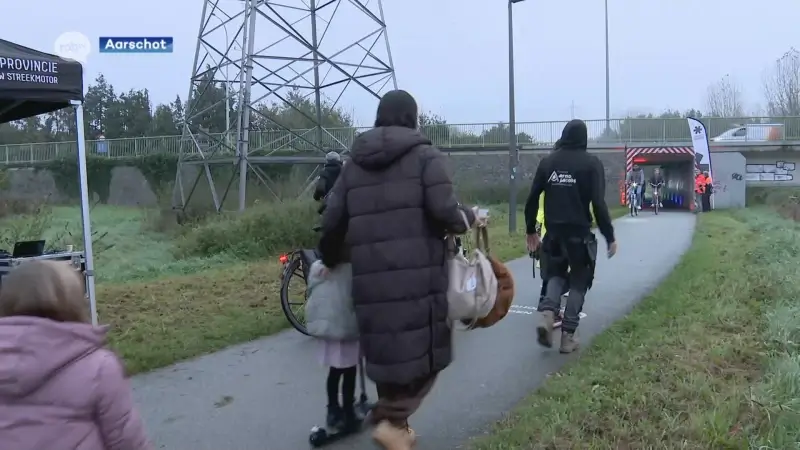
530,310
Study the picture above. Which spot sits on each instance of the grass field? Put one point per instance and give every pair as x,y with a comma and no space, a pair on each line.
165,303
198,305
711,360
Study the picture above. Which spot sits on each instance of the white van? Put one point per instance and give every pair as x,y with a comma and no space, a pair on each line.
753,132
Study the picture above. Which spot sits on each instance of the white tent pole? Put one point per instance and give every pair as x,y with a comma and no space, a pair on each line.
85,217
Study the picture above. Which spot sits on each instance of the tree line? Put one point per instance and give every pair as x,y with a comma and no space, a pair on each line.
725,107
113,114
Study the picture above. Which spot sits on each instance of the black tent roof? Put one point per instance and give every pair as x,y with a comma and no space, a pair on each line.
33,82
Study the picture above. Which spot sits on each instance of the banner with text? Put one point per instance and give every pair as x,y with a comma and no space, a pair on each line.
702,154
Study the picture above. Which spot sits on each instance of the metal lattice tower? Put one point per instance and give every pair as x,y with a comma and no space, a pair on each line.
259,53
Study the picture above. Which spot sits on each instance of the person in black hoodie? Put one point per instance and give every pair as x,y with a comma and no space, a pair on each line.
572,181
330,173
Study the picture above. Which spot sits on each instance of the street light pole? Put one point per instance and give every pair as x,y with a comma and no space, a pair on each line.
608,78
513,150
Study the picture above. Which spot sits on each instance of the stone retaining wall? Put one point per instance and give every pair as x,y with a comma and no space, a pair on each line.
130,188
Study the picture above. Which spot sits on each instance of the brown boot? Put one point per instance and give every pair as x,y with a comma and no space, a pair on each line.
391,437
569,343
545,329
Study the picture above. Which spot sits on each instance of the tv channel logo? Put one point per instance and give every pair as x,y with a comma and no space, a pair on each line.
135,45
73,45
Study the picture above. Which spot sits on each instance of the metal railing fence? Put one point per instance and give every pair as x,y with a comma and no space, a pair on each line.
640,130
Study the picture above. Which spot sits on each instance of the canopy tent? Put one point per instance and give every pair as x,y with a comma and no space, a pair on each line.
32,83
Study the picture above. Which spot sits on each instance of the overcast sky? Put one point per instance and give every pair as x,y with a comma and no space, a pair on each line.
452,55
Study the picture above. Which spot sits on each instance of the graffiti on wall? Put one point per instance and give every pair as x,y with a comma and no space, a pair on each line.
780,171
722,186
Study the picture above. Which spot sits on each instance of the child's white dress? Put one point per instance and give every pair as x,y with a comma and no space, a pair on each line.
339,354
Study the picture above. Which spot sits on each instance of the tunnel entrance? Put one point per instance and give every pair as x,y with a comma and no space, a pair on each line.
677,165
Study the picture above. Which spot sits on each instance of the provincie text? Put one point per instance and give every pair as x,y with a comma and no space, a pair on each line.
18,69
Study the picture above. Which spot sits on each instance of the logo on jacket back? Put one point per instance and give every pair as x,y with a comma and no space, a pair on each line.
561,179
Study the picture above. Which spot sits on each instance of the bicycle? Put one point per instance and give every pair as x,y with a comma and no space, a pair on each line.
656,197
296,263
633,200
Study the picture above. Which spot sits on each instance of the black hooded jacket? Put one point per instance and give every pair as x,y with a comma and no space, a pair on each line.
330,173
388,213
571,179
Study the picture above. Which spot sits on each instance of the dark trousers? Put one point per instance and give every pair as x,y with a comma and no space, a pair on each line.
567,260
706,201
347,377
543,292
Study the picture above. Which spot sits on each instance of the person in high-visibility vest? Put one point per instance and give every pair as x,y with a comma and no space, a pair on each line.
702,190
708,189
698,190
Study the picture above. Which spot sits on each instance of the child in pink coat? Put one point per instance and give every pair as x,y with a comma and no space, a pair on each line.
60,388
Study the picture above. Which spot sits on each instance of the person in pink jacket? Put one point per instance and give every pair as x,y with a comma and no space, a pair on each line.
60,388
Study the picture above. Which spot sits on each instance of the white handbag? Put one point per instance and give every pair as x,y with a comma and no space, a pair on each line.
472,284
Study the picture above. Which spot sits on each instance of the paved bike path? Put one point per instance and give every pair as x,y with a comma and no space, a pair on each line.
267,394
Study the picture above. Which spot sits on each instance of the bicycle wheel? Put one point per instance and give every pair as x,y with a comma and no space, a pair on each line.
293,296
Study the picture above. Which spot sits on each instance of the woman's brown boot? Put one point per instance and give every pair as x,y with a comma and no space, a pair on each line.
392,437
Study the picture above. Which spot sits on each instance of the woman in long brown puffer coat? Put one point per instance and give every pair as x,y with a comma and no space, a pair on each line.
389,212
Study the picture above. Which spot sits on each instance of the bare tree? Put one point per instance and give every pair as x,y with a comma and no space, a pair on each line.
724,98
782,86
757,110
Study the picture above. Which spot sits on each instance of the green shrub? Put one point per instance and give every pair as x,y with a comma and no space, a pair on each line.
772,196
269,228
262,231
32,225
65,174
